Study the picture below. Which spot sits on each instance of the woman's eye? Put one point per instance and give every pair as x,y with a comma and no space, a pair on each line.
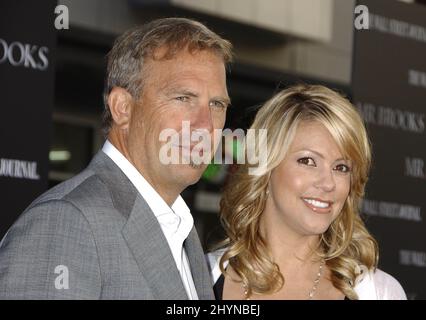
343,168
307,161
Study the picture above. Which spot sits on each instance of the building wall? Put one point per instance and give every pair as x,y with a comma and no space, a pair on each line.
329,60
320,36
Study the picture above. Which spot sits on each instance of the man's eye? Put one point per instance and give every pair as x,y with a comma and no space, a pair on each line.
342,168
183,98
307,161
217,104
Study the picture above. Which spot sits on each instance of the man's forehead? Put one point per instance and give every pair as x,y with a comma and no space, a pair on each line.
167,53
184,64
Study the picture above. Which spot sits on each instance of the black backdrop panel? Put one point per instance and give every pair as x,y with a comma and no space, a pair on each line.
27,45
389,88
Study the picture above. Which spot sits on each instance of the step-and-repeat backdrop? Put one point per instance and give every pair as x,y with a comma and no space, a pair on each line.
27,45
389,88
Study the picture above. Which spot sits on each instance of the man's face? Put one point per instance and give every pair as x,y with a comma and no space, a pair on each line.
189,87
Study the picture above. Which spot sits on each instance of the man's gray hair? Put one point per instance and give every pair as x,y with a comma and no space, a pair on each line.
125,60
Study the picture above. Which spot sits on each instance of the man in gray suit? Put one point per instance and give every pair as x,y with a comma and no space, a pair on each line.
120,229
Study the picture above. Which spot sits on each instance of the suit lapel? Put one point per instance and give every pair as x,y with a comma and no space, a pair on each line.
122,191
199,270
142,232
146,240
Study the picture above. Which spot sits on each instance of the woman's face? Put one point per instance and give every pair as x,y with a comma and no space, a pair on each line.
308,189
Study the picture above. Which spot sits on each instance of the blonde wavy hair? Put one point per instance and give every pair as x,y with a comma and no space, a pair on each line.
346,244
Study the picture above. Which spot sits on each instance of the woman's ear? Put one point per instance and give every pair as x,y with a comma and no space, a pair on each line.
120,104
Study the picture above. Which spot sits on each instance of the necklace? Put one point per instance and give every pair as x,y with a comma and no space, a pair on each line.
316,281
311,292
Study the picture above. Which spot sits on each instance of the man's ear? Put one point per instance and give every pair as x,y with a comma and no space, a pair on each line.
120,104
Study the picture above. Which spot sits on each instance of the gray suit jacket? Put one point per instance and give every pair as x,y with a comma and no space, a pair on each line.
94,237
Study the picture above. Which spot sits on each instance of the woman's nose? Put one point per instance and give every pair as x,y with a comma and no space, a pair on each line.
325,181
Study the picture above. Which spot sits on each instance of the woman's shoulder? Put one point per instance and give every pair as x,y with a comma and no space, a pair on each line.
213,262
378,285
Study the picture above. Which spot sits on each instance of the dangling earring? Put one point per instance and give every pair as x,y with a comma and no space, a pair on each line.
267,192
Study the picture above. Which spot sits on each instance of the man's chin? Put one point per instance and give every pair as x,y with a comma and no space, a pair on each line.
197,166
193,171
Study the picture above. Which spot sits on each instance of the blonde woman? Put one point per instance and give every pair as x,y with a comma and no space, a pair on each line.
294,230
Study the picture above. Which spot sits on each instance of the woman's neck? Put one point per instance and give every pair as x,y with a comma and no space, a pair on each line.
287,246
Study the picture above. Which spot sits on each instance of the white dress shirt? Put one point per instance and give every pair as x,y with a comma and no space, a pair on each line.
176,221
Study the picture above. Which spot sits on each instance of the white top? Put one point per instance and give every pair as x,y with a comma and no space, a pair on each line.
369,285
176,222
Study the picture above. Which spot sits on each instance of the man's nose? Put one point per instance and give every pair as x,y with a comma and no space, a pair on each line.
203,117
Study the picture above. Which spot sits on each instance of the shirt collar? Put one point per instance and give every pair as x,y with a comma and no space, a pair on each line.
152,198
